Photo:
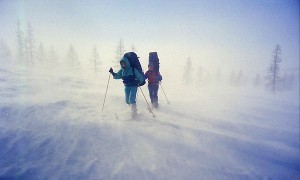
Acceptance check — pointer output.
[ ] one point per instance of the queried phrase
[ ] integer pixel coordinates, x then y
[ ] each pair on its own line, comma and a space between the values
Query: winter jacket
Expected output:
129, 75
153, 77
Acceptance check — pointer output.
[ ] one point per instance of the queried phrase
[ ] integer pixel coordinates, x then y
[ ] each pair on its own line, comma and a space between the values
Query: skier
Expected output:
154, 77
131, 79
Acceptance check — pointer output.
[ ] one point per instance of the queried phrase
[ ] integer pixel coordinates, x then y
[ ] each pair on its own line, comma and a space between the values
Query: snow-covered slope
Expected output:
52, 127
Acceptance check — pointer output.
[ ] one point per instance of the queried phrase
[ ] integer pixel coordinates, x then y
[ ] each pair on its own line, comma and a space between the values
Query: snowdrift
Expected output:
52, 127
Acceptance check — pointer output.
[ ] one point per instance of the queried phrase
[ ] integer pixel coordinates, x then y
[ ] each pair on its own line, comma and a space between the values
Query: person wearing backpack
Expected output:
132, 78
154, 77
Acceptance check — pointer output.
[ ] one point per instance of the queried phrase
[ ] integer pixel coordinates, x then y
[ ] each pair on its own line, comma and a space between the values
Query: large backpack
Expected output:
134, 61
153, 59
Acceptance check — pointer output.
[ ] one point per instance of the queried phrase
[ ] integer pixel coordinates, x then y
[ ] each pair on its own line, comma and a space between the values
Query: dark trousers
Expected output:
153, 88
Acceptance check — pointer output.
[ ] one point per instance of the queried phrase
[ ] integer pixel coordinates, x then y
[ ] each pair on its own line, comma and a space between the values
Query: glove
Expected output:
142, 83
111, 71
159, 78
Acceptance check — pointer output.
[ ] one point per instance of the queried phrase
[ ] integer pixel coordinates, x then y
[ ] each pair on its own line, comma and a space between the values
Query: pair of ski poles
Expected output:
149, 108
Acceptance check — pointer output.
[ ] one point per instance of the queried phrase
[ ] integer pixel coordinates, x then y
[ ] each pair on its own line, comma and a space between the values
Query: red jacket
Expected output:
153, 77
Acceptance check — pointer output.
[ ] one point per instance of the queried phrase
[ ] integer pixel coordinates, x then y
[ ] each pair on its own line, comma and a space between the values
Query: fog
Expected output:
213, 34
226, 118
52, 127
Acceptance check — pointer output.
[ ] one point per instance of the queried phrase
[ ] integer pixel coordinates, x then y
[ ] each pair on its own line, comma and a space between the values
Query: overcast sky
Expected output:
234, 33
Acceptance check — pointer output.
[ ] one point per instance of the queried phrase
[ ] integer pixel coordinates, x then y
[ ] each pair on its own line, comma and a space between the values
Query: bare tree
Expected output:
119, 54
272, 77
95, 59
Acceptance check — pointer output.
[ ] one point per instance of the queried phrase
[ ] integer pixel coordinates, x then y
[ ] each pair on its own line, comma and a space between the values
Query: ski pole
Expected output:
106, 91
149, 108
164, 92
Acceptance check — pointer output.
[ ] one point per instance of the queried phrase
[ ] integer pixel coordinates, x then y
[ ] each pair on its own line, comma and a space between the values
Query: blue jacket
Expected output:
129, 75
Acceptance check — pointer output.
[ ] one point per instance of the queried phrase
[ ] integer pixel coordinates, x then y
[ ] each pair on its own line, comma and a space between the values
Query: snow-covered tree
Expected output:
272, 78
119, 54
257, 81
95, 59
288, 81
5, 53
188, 70
41, 55
72, 58
133, 49
237, 79
20, 43
52, 56
200, 74
29, 45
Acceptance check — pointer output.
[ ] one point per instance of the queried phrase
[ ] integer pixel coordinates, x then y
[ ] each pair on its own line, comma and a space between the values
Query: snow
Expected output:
52, 127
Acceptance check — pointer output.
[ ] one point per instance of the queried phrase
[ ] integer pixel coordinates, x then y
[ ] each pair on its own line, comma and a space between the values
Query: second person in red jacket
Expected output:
154, 78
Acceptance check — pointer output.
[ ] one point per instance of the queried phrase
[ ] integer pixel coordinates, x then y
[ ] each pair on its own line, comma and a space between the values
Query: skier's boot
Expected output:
155, 103
133, 110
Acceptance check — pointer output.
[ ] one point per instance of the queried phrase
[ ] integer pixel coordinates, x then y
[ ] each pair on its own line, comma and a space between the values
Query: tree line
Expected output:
271, 80
29, 52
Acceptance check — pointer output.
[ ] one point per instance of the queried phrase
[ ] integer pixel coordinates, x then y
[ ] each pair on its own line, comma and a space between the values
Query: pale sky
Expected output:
232, 33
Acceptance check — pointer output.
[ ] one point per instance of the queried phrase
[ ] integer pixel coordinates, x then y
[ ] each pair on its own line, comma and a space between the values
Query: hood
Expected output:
126, 62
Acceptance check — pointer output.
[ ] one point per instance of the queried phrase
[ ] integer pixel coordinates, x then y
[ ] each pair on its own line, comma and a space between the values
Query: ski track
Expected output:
52, 127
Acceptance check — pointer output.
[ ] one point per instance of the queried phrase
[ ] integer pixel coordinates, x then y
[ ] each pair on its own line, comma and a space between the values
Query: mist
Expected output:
228, 99
214, 34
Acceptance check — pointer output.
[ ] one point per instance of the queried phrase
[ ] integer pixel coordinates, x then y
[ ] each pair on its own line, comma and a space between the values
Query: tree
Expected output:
187, 74
29, 45
288, 81
5, 53
20, 42
257, 81
72, 58
41, 55
133, 49
52, 55
272, 77
119, 54
200, 74
95, 59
